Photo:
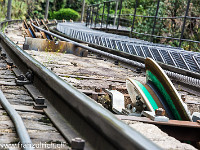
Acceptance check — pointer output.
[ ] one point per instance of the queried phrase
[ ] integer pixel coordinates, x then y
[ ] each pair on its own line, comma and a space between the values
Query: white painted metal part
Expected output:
117, 100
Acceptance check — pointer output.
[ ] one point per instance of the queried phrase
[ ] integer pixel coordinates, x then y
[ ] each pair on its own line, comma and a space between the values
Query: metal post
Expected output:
104, 4
87, 17
92, 14
83, 11
120, 11
155, 18
116, 8
9, 9
184, 22
47, 9
97, 15
108, 15
136, 4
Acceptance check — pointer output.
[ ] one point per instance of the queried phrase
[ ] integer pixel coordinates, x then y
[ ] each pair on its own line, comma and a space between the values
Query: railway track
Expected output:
72, 113
88, 84
27, 123
162, 53
189, 79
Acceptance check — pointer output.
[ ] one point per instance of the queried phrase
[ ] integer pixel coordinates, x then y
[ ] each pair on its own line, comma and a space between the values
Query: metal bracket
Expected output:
117, 100
29, 76
3, 56
77, 144
39, 100
129, 112
195, 116
39, 106
151, 115
23, 80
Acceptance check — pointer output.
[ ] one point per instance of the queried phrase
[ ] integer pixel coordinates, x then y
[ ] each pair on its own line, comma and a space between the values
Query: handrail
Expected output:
156, 17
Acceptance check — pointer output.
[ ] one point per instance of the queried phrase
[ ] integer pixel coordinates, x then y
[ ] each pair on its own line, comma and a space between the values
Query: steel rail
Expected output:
17, 120
18, 123
185, 78
99, 127
119, 58
137, 60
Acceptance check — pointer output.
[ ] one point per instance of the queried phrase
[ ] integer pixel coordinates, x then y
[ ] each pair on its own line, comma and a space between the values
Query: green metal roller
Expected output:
158, 91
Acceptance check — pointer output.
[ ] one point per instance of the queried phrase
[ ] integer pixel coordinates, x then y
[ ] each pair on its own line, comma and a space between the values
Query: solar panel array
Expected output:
162, 53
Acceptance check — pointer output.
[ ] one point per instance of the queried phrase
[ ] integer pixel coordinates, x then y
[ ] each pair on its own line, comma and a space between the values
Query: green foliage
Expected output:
74, 4
3, 27
18, 9
65, 13
164, 27
36, 8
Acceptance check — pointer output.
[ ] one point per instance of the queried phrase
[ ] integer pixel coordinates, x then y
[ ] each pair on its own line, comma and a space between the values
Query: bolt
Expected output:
29, 75
138, 70
25, 46
10, 64
21, 77
77, 144
160, 112
112, 87
183, 97
138, 97
116, 62
98, 90
40, 100
99, 57
3, 55
129, 106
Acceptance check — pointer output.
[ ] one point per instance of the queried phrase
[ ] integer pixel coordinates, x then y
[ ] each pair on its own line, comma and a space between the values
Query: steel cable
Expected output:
19, 125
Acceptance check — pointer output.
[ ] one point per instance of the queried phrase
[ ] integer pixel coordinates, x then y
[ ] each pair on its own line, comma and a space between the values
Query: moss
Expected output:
77, 78
45, 120
5, 114
67, 76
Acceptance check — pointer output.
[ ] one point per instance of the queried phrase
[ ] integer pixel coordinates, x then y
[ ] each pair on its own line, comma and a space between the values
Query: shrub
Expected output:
65, 13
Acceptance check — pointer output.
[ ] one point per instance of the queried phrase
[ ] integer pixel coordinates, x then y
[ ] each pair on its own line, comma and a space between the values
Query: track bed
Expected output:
89, 74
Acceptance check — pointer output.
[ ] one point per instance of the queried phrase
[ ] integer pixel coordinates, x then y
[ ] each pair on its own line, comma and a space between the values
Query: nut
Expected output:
77, 144
138, 70
112, 87
183, 97
160, 112
98, 90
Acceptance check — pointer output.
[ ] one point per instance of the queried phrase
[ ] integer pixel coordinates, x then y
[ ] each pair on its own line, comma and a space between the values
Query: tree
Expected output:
9, 9
83, 10
46, 9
